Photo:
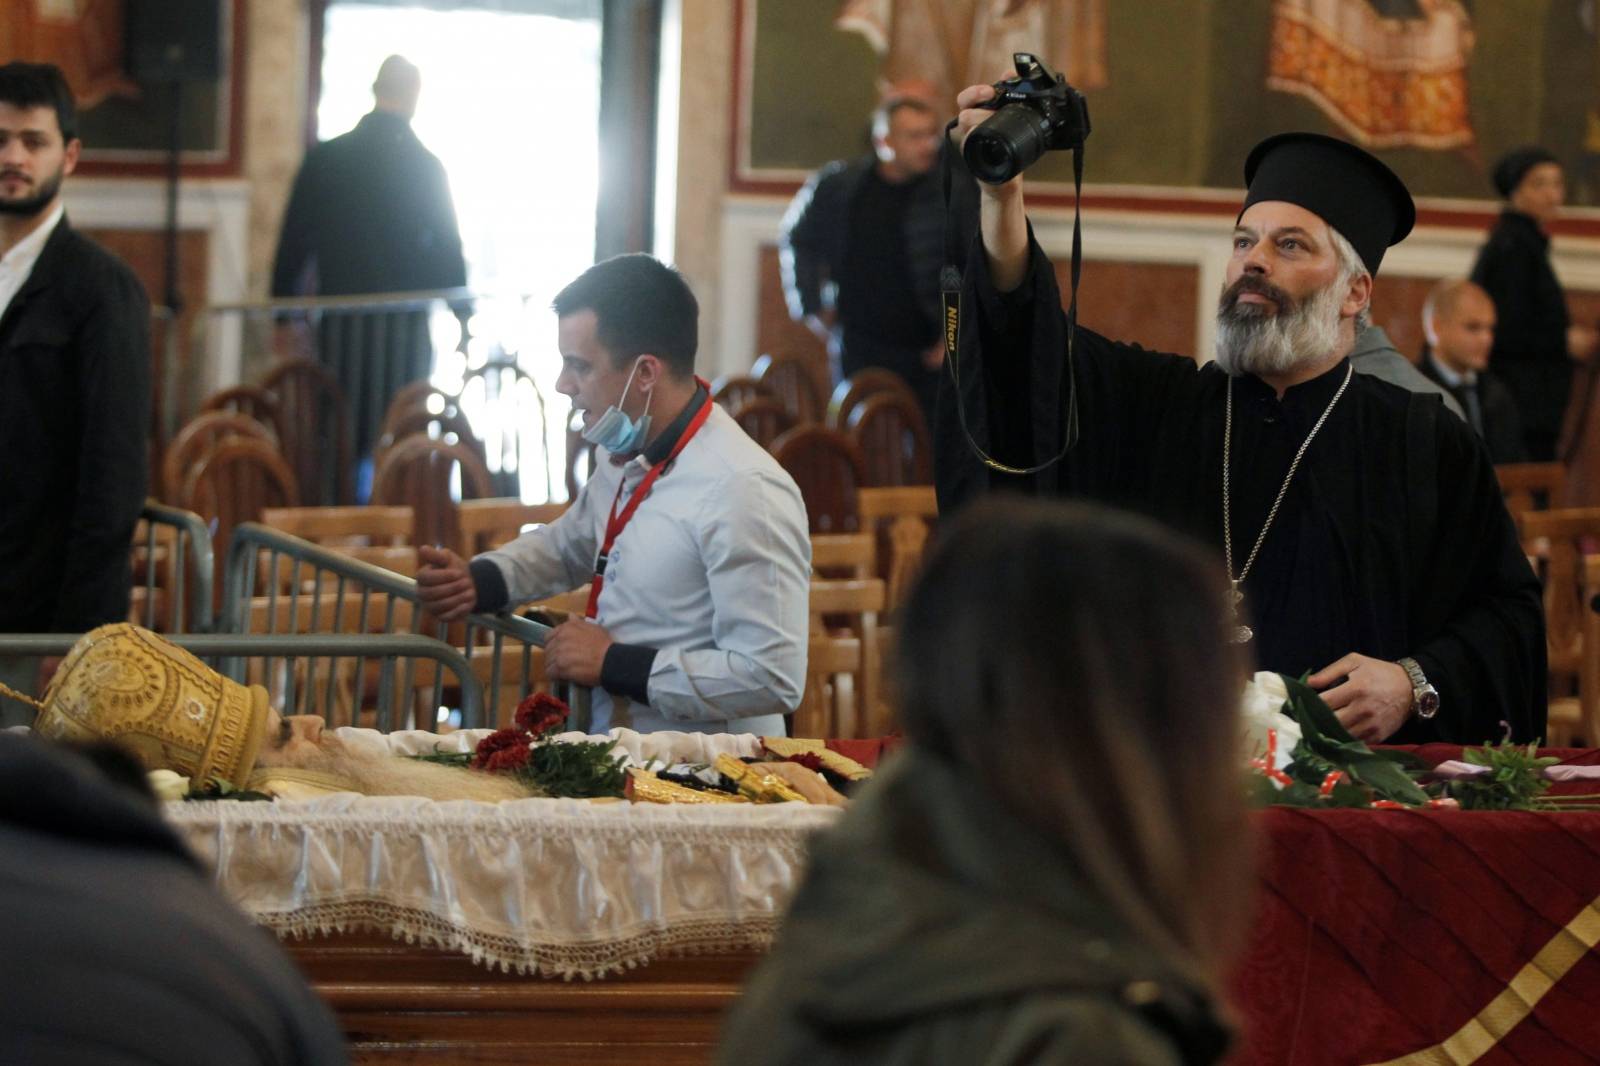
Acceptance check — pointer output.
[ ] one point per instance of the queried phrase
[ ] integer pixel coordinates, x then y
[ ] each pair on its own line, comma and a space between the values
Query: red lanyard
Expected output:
615, 523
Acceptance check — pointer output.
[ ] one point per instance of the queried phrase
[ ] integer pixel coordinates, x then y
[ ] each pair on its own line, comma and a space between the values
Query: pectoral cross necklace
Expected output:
1241, 633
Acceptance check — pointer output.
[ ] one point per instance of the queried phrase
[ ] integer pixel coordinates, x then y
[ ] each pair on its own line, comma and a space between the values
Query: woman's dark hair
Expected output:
1073, 660
641, 306
40, 85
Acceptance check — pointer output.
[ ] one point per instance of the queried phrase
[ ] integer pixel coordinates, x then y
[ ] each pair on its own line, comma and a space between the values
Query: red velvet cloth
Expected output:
1381, 933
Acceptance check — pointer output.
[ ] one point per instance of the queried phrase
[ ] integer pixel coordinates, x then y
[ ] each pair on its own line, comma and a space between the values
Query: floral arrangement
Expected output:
1299, 755
579, 769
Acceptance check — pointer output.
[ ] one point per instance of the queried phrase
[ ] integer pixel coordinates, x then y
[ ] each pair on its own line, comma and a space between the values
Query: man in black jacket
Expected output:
370, 212
74, 388
1458, 320
861, 252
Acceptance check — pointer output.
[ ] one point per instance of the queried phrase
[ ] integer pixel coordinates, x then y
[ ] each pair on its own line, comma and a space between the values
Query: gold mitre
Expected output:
125, 684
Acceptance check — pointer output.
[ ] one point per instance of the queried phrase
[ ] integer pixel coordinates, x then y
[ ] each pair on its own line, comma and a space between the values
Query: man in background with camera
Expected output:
860, 252
1363, 530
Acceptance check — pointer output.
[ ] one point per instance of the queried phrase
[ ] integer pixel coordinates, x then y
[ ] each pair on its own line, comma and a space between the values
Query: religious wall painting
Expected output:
1180, 89
126, 126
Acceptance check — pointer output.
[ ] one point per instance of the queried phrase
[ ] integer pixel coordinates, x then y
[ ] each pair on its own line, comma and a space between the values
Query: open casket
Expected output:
538, 930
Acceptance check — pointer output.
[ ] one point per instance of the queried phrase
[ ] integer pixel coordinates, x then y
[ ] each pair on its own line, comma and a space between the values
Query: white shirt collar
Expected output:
1452, 378
25, 252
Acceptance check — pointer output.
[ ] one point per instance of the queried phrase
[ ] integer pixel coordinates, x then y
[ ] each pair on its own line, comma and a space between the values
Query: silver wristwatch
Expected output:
1424, 697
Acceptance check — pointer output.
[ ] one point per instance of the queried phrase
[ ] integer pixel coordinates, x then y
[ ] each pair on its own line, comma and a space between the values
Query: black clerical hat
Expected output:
1347, 188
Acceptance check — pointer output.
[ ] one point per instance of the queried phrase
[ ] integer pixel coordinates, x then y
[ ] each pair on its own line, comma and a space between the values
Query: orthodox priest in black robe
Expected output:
1388, 569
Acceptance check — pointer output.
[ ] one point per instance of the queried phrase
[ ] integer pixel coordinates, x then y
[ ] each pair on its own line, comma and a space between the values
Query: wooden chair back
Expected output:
1532, 486
580, 462
413, 398
843, 696
197, 437
450, 426
764, 420
857, 387
1567, 536
1574, 721
903, 519
733, 391
316, 430
252, 400
892, 433
826, 465
791, 379
234, 482
844, 555
487, 524
509, 416
430, 476
344, 526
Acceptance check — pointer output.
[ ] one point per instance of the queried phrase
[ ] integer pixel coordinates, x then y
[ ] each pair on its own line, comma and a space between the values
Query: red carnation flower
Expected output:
508, 759
540, 713
809, 759
500, 740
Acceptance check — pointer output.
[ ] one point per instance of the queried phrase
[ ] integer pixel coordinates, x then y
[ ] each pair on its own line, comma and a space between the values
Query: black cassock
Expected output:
1368, 553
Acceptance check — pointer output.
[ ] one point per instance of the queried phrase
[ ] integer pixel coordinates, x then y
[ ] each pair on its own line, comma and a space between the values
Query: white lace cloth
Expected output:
552, 886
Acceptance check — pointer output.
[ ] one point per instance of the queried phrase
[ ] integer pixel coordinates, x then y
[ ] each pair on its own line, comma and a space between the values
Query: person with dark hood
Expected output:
115, 948
1056, 867
1363, 532
1535, 341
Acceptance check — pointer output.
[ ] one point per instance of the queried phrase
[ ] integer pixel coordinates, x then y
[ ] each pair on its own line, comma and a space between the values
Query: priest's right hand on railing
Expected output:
444, 584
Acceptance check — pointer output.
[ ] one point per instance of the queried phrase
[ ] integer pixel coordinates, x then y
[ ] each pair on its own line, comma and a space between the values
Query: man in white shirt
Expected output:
75, 394
695, 538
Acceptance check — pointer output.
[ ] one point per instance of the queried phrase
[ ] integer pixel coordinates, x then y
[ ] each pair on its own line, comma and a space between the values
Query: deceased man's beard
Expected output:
390, 775
1252, 339
32, 205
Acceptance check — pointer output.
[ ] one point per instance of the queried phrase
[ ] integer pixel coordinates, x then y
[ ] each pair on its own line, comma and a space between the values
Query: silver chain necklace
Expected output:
1242, 633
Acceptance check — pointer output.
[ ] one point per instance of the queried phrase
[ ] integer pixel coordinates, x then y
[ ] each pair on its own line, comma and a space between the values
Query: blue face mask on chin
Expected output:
615, 431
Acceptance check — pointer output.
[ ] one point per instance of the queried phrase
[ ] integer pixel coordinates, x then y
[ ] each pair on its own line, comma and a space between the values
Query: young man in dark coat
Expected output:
1362, 526
1458, 320
75, 388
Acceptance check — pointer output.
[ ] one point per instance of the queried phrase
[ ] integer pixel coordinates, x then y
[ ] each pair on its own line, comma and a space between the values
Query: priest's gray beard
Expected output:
1252, 339
390, 775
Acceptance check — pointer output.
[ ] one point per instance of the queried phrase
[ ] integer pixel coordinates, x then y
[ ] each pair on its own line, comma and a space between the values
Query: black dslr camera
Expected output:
1035, 112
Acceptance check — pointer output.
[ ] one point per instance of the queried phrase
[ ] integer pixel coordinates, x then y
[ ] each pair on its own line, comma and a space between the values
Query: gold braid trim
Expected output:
7, 690
1503, 1013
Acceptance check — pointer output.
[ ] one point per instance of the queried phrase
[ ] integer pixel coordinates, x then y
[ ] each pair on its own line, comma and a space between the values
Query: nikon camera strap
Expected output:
950, 284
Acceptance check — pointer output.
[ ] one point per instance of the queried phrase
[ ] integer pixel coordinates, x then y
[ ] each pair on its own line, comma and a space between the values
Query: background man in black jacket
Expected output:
1458, 320
370, 212
74, 388
861, 251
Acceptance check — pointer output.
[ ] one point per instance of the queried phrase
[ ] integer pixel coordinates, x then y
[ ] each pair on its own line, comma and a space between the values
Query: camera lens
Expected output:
1007, 144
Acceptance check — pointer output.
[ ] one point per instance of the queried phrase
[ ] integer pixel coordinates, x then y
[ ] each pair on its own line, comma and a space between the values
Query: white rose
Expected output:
1262, 709
168, 785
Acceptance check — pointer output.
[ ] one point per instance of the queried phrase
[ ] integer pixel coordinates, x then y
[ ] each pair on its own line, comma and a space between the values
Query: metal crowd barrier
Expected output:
276, 583
237, 651
181, 541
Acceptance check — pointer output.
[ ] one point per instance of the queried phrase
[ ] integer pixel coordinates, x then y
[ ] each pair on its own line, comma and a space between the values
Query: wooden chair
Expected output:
234, 482
843, 696
1568, 535
826, 465
450, 426
487, 524
857, 387
430, 476
316, 430
1575, 720
1532, 486
416, 397
252, 400
344, 526
902, 519
844, 555
892, 433
733, 391
197, 437
507, 411
764, 419
791, 379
